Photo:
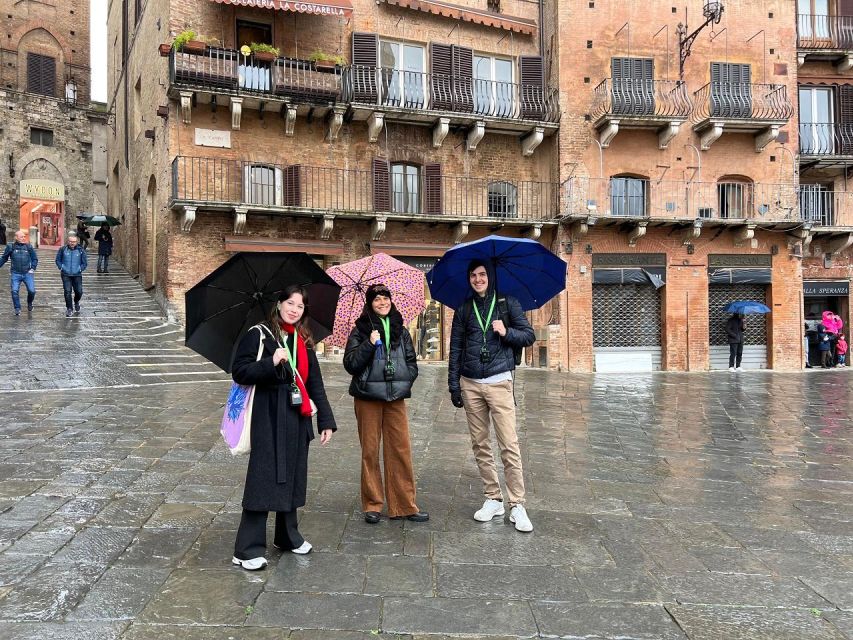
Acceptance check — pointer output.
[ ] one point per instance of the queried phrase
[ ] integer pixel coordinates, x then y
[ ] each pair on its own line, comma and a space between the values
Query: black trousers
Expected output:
826, 358
69, 283
252, 534
735, 354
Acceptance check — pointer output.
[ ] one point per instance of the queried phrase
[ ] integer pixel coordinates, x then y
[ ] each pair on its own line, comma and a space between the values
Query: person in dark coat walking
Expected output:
824, 345
3, 240
71, 262
105, 248
287, 382
734, 332
383, 366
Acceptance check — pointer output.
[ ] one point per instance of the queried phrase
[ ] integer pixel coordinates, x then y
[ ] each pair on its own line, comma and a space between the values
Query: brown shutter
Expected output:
293, 186
532, 72
381, 185
433, 189
365, 60
441, 73
844, 123
463, 79
41, 74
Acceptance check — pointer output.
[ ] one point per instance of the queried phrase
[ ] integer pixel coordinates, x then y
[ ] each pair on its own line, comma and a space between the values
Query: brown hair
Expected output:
301, 326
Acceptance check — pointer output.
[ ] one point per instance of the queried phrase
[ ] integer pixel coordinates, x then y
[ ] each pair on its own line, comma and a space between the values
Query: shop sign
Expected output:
629, 260
822, 288
740, 260
213, 138
42, 190
421, 263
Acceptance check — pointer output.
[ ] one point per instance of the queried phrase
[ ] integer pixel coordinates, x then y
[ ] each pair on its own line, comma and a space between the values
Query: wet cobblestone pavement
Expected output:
702, 506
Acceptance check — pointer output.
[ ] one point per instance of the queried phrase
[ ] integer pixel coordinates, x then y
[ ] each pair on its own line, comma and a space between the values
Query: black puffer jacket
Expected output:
368, 373
466, 341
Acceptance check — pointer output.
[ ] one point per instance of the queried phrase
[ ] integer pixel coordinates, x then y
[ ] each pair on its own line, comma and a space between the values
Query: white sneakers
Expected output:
731, 368
304, 548
518, 514
489, 510
255, 564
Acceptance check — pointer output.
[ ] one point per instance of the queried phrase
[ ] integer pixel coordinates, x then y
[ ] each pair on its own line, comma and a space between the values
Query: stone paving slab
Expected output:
713, 623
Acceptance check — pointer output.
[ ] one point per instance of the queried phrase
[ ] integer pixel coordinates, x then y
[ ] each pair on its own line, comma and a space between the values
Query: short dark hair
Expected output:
476, 263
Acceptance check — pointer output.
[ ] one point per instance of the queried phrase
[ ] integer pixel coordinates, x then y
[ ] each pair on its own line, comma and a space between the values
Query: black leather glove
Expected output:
456, 399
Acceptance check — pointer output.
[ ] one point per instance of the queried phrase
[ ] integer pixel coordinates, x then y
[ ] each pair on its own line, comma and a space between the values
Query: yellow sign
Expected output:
42, 190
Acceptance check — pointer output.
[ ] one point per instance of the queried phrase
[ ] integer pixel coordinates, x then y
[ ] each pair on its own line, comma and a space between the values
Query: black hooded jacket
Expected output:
368, 373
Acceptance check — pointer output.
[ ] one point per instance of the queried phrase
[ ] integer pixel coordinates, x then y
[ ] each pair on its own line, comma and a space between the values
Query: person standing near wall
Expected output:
105, 247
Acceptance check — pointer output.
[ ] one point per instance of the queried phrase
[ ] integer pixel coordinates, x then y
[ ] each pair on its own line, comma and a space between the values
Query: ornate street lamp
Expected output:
713, 13
71, 91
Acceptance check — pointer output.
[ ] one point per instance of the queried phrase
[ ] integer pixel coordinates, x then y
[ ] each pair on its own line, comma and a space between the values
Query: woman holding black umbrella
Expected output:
288, 390
105, 247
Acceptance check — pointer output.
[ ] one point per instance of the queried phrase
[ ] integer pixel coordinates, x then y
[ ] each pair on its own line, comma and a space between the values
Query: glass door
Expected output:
816, 121
493, 87
403, 76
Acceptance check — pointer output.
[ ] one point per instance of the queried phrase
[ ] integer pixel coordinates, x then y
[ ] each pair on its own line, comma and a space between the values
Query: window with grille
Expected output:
628, 196
734, 198
43, 137
503, 200
263, 185
816, 204
405, 188
720, 295
626, 315
41, 74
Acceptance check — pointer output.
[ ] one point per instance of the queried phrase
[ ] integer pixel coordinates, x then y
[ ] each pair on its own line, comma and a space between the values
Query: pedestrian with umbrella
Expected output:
736, 325
490, 282
274, 307
105, 247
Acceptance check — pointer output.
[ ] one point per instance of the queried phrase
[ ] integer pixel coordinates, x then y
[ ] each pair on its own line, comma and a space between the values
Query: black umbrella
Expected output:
241, 293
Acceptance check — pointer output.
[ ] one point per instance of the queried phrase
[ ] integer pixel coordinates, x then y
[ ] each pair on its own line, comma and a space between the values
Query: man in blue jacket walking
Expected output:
71, 262
24, 263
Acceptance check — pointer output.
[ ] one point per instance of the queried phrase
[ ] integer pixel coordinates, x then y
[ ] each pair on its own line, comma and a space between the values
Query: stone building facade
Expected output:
669, 176
50, 131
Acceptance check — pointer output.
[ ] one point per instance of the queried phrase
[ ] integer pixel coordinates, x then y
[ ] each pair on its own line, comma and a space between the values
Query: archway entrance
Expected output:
42, 205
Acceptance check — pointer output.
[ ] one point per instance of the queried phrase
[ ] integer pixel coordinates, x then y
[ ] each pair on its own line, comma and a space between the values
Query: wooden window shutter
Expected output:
731, 91
441, 74
293, 186
844, 121
41, 74
381, 185
365, 60
532, 76
463, 79
433, 189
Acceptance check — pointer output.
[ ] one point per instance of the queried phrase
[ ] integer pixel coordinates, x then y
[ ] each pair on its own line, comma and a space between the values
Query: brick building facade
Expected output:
52, 136
670, 184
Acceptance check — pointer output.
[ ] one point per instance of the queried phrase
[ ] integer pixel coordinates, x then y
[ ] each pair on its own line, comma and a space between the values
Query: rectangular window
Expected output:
633, 86
816, 121
405, 188
403, 74
44, 137
731, 90
494, 92
41, 74
628, 197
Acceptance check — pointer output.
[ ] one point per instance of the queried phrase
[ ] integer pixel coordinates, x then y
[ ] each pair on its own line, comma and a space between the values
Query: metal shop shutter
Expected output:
626, 319
755, 337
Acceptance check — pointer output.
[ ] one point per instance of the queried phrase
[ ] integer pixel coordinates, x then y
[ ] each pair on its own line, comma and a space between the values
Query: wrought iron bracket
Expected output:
713, 13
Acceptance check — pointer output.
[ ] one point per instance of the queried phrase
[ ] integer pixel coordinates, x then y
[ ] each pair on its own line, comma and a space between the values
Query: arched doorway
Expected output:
151, 223
137, 215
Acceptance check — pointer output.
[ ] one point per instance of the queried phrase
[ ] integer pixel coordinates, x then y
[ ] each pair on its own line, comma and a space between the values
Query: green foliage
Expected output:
182, 38
257, 47
318, 55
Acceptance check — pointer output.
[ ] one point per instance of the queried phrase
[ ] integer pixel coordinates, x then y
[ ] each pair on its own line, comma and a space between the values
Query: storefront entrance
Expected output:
427, 328
42, 207
820, 296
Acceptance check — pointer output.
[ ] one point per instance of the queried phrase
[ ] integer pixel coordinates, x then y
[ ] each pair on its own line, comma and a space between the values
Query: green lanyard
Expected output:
292, 354
386, 328
484, 325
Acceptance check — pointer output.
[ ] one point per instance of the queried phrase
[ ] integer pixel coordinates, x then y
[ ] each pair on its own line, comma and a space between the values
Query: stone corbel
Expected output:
186, 106
845, 64
607, 133
336, 120
460, 230
801, 59
746, 235
236, 112
637, 232
534, 232
581, 227
531, 141
289, 119
475, 134
374, 125
667, 133
187, 218
710, 135
693, 232
439, 132
377, 228
327, 226
240, 220
838, 244
765, 137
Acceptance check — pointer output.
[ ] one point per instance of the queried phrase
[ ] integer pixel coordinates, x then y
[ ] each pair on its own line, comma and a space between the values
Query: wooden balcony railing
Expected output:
459, 94
230, 71
650, 99
220, 182
824, 32
742, 101
826, 139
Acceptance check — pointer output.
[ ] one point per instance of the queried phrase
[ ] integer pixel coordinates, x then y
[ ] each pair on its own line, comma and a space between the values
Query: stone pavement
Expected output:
703, 506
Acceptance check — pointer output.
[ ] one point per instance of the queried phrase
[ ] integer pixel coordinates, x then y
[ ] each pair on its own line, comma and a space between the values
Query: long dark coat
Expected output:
277, 476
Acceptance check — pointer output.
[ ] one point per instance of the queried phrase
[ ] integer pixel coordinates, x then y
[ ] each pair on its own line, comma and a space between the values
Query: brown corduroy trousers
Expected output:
386, 423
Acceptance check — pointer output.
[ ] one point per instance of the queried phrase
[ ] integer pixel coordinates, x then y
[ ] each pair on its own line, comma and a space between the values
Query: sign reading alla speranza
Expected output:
820, 288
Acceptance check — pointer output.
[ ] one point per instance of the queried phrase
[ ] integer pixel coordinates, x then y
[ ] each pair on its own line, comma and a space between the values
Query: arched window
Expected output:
262, 184
405, 188
503, 200
628, 195
734, 196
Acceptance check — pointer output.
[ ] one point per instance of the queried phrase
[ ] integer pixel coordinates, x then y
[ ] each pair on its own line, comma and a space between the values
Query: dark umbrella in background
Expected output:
98, 220
241, 293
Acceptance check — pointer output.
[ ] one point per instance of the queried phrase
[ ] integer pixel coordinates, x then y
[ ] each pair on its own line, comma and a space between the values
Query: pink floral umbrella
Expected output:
405, 283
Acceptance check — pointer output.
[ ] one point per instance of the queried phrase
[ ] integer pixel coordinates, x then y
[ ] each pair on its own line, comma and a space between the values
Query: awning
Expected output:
339, 8
655, 276
469, 14
739, 275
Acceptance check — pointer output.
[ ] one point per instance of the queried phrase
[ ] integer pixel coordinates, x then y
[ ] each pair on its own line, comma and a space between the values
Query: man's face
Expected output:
479, 280
20, 236
72, 241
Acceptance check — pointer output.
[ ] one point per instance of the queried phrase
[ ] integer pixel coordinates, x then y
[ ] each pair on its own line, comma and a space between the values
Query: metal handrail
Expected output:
826, 138
824, 32
742, 101
628, 97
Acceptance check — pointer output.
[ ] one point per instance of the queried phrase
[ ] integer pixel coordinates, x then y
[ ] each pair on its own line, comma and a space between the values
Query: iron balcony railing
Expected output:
271, 186
742, 101
826, 138
629, 197
460, 94
230, 71
824, 32
652, 99
826, 208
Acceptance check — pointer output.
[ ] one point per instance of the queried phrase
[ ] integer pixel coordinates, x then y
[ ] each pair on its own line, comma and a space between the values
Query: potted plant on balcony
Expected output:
264, 52
189, 42
326, 61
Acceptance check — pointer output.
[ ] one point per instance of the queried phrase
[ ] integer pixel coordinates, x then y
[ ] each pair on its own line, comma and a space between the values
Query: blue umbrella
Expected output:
522, 268
746, 306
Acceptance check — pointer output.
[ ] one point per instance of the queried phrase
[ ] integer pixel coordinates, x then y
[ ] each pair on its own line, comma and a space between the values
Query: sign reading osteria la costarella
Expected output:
42, 190
287, 5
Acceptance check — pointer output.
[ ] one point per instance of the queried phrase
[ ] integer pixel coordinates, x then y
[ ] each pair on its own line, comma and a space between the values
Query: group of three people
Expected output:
279, 360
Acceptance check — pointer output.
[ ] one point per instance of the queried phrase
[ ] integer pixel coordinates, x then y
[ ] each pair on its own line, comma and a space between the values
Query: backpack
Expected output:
503, 312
